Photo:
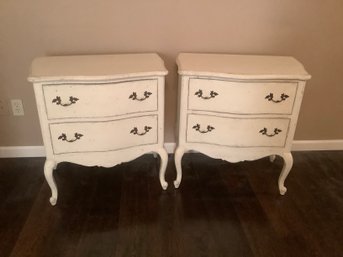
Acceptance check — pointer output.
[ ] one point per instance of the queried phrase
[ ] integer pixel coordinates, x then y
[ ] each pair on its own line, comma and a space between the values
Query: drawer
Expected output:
78, 137
237, 132
240, 97
100, 100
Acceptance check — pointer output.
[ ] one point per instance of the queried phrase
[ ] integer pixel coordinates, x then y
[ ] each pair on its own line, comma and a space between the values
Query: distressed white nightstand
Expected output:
237, 108
100, 110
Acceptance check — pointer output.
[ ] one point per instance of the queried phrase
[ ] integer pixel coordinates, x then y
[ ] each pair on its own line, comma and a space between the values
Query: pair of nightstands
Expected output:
107, 109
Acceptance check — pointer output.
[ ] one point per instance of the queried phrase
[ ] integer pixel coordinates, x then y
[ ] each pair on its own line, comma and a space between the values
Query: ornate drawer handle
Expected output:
63, 137
199, 93
146, 94
136, 132
58, 101
197, 128
270, 97
265, 132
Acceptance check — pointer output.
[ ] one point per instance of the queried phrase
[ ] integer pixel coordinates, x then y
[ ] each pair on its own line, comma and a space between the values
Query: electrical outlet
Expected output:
3, 107
17, 107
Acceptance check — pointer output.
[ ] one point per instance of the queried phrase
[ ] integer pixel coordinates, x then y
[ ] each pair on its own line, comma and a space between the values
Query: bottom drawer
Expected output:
237, 132
74, 137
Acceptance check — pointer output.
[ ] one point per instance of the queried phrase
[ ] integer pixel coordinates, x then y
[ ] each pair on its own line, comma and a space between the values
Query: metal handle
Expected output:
199, 93
264, 131
146, 95
136, 132
58, 101
270, 97
63, 137
208, 129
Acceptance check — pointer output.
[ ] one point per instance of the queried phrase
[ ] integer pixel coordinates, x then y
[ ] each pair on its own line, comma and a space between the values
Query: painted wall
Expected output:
311, 31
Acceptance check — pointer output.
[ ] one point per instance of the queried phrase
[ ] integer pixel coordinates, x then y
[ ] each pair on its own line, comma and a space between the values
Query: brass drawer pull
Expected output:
146, 95
136, 132
197, 128
58, 101
199, 93
270, 97
265, 132
63, 137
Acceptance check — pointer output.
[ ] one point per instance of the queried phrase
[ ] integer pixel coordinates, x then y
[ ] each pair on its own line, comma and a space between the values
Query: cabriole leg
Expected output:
178, 158
288, 163
163, 166
48, 172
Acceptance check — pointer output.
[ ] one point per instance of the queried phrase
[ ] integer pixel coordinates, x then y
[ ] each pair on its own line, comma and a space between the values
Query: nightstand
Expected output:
238, 107
100, 110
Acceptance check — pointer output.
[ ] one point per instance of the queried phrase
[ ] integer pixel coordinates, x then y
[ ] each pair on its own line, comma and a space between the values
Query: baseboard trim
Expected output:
39, 151
298, 145
22, 151
317, 145
170, 147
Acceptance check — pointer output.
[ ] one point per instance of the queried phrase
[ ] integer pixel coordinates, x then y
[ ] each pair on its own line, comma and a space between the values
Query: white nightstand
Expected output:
237, 108
100, 110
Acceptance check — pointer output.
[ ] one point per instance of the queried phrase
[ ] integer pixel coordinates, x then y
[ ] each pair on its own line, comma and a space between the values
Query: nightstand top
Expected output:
241, 66
96, 67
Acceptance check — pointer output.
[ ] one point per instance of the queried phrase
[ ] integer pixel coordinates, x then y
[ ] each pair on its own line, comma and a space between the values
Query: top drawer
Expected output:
100, 100
241, 97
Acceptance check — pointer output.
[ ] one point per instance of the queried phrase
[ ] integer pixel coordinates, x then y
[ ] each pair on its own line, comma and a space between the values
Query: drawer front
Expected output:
241, 97
76, 137
100, 100
237, 132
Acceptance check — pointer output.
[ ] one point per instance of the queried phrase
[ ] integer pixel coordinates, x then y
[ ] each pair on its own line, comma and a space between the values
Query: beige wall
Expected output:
310, 30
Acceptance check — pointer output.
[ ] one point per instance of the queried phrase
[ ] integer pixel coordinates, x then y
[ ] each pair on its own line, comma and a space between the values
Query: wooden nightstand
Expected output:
237, 108
100, 110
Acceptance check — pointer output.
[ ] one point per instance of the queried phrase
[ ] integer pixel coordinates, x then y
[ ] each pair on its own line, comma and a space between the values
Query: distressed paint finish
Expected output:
238, 108
100, 110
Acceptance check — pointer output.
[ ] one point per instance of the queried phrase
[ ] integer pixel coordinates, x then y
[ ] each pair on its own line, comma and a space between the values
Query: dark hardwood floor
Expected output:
221, 209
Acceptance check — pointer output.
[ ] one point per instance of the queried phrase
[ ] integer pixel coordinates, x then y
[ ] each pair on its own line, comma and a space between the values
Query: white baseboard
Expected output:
317, 145
298, 145
170, 147
21, 151
39, 151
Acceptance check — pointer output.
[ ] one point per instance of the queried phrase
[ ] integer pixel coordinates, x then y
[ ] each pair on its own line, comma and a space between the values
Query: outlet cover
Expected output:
17, 107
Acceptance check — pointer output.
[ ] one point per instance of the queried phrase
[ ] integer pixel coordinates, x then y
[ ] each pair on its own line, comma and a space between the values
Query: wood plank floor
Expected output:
221, 209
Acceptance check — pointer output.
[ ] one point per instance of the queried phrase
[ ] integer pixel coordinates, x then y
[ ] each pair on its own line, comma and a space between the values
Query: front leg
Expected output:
48, 172
163, 166
178, 158
288, 163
